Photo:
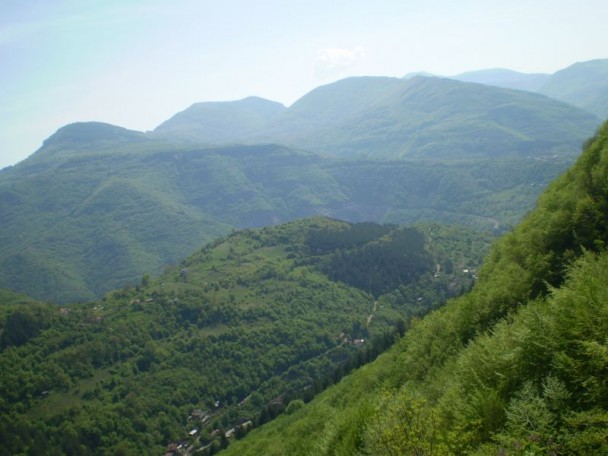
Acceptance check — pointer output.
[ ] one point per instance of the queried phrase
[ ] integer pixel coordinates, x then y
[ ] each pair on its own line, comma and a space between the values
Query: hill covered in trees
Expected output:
230, 335
516, 366
99, 206
421, 117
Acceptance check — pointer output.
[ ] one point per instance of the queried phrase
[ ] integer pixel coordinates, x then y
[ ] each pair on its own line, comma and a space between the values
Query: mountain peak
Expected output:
252, 102
87, 133
213, 122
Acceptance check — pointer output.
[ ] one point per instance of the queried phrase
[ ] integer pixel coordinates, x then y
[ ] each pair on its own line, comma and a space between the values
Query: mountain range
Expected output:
376, 117
583, 84
198, 334
98, 206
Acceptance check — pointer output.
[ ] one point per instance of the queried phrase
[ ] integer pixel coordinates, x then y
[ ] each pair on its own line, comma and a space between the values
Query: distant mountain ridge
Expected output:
97, 206
89, 136
422, 117
583, 84
502, 77
217, 122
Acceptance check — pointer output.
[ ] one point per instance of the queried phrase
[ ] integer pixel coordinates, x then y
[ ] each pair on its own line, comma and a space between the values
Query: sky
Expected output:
136, 63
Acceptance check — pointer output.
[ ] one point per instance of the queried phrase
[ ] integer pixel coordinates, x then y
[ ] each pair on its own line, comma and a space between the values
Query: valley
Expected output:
387, 266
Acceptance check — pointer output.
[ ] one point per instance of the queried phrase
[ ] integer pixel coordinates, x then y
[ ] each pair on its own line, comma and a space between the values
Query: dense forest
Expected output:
77, 224
517, 366
231, 335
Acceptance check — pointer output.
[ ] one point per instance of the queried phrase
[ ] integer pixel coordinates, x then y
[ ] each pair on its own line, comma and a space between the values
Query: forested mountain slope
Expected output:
99, 206
221, 122
435, 118
516, 366
422, 117
584, 84
233, 333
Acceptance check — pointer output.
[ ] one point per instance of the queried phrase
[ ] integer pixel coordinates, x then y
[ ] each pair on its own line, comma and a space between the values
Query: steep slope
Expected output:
220, 122
584, 84
517, 366
231, 333
508, 79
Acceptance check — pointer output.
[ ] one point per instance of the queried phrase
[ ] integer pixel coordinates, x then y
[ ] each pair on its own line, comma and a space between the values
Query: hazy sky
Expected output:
135, 63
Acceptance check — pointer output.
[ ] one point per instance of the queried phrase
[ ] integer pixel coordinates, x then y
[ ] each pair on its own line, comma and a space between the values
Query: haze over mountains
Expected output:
394, 118
241, 327
583, 84
98, 206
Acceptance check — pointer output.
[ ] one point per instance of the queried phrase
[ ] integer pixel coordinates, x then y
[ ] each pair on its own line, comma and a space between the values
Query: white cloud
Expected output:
332, 62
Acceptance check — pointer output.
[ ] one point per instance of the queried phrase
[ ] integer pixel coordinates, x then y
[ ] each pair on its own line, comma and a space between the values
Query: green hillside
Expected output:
516, 366
220, 122
233, 333
422, 117
98, 206
434, 118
